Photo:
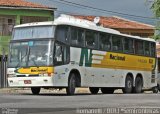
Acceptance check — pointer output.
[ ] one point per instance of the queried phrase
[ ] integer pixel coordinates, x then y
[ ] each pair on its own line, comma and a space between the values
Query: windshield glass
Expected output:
32, 53
33, 32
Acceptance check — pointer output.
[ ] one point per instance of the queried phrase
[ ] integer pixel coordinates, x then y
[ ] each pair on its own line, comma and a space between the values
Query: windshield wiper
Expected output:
21, 60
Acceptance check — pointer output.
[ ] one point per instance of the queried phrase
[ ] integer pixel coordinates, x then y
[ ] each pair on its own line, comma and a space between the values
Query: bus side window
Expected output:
66, 54
128, 45
61, 54
152, 48
74, 40
58, 60
147, 48
104, 42
80, 37
117, 43
91, 39
77, 37
62, 33
139, 50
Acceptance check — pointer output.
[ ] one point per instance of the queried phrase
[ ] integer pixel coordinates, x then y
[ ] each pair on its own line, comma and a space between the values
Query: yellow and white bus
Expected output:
69, 53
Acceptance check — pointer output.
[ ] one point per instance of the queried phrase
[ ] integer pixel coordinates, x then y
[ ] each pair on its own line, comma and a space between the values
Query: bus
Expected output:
69, 53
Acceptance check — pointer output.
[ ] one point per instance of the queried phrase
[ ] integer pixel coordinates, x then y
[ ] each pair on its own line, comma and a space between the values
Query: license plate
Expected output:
27, 82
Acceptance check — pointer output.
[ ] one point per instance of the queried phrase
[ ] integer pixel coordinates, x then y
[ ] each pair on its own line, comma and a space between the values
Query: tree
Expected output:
156, 9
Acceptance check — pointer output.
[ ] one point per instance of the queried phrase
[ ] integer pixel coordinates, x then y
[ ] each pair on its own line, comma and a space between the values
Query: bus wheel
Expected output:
155, 90
158, 87
71, 85
107, 90
128, 85
35, 90
94, 90
138, 85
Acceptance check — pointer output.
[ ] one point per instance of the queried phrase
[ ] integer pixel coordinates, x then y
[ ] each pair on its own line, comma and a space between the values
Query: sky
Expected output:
131, 7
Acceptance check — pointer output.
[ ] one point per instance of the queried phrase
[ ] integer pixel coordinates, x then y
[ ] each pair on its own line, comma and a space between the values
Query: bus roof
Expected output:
70, 20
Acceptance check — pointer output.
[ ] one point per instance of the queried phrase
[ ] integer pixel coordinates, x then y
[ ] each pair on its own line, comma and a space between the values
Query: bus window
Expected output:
66, 56
58, 55
117, 43
139, 47
128, 45
91, 39
62, 33
74, 40
152, 49
104, 41
77, 37
80, 37
146, 48
61, 54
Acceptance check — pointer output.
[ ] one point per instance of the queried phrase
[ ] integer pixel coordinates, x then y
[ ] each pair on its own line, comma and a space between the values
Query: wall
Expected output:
11, 17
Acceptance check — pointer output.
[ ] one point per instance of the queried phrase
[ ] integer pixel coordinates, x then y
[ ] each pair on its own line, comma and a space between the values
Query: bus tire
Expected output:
155, 89
71, 84
158, 87
93, 90
138, 85
107, 90
128, 85
35, 90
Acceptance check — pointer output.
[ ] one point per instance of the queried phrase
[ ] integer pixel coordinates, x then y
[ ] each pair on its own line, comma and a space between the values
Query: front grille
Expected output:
21, 75
32, 75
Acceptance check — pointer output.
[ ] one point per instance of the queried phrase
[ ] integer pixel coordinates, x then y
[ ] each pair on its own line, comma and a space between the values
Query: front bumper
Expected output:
35, 81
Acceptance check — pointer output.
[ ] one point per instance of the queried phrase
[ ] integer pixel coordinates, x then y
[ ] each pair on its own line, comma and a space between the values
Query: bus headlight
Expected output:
46, 74
11, 75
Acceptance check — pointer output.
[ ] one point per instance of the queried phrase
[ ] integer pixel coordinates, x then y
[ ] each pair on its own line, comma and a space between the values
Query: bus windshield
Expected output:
31, 53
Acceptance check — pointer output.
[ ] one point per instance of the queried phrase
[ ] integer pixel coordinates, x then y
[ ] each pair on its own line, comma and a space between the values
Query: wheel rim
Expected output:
73, 85
129, 84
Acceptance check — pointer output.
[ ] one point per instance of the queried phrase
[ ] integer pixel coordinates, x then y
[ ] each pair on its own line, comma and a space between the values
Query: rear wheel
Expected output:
138, 85
35, 90
107, 90
155, 90
158, 87
128, 85
71, 85
94, 90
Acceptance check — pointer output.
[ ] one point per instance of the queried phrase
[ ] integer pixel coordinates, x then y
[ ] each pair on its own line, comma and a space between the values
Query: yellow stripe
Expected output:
120, 67
125, 61
36, 70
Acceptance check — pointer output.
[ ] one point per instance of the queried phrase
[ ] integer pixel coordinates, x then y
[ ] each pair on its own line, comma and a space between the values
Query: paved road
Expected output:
48, 103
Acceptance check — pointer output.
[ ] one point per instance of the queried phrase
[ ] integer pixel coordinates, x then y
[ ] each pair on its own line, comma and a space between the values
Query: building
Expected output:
14, 12
123, 25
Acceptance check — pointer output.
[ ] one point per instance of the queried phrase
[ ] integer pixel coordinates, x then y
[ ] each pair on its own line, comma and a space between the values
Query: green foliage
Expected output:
156, 9
156, 37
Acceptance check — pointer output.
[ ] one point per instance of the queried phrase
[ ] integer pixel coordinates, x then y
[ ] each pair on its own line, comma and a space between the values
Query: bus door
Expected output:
61, 59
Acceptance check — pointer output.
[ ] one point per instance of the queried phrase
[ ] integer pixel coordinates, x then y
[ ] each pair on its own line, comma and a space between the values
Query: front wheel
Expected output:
94, 90
35, 90
71, 85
